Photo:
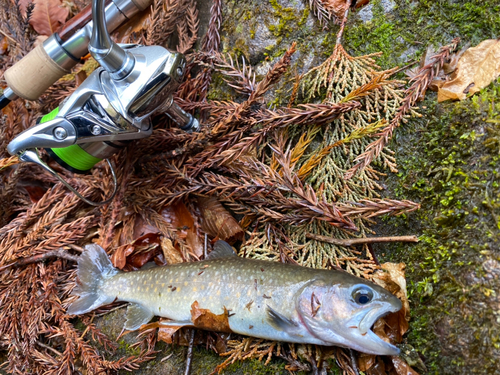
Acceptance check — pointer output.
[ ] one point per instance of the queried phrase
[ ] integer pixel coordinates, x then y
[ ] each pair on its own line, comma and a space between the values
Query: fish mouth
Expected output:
367, 341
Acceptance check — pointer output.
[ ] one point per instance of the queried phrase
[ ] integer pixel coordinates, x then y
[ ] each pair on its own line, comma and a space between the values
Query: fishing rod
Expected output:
111, 108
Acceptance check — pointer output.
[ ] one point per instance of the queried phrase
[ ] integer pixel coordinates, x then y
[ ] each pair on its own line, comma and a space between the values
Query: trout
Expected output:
269, 300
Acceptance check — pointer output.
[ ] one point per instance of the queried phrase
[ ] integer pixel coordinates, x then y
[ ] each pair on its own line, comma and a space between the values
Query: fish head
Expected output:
343, 313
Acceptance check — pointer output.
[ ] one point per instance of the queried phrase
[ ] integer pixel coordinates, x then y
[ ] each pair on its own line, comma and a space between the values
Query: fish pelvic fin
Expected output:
221, 250
94, 267
137, 315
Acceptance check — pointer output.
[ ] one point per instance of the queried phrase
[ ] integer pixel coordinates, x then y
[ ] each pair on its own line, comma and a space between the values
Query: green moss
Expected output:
446, 164
413, 25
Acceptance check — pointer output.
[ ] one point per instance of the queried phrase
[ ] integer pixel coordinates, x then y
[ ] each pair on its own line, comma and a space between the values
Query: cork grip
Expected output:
33, 74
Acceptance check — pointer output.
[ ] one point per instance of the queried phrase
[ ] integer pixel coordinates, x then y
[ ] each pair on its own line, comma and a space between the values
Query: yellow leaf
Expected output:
476, 69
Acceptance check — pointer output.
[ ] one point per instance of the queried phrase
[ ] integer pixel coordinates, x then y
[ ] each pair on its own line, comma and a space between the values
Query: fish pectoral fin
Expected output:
137, 315
280, 322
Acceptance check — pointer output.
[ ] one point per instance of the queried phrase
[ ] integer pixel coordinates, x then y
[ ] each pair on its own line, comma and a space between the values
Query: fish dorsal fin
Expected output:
279, 321
221, 250
137, 315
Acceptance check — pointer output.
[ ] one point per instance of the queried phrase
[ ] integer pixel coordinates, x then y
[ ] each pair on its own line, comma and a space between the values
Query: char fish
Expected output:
269, 300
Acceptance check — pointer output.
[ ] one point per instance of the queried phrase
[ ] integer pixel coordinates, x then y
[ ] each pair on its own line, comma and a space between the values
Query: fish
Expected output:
268, 300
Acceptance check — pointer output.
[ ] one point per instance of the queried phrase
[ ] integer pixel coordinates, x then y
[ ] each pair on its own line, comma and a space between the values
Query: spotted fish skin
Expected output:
268, 300
247, 288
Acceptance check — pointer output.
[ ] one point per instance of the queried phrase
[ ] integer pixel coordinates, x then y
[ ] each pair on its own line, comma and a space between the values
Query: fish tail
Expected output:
94, 267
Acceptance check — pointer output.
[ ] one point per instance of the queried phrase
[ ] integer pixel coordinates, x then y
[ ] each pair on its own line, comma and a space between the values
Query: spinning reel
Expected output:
112, 107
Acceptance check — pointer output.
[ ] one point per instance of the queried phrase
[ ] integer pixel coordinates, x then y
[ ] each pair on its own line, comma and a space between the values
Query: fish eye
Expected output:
362, 295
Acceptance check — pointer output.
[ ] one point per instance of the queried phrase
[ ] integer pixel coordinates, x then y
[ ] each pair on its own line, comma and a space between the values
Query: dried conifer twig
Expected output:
359, 241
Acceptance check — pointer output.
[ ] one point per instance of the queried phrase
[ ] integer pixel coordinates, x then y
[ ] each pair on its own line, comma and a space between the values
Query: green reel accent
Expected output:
49, 116
73, 157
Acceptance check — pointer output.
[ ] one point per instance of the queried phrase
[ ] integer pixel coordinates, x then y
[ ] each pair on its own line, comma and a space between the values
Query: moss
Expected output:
417, 24
446, 164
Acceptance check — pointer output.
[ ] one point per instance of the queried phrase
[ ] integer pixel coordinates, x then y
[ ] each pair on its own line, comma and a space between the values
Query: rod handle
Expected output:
33, 74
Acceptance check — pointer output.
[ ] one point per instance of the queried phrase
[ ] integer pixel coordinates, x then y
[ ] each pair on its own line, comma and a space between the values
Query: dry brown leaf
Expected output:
205, 319
366, 361
48, 16
401, 367
138, 23
378, 368
180, 218
119, 257
166, 333
4, 45
171, 254
217, 222
476, 69
393, 279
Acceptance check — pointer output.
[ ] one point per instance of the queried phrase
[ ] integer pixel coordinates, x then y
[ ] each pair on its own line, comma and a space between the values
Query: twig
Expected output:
358, 241
49, 348
8, 37
60, 253
189, 357
372, 253
344, 21
111, 310
205, 247
354, 364
404, 67
76, 248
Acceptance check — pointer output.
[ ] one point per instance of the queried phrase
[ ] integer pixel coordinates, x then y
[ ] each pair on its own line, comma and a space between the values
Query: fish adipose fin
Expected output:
137, 315
280, 322
94, 267
221, 250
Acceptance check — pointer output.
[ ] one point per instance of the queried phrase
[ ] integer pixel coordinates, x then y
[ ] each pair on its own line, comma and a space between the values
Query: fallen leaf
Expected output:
205, 319
138, 23
166, 333
366, 361
179, 217
392, 278
80, 77
401, 367
48, 16
378, 367
119, 257
134, 255
217, 222
4, 45
361, 3
170, 252
476, 69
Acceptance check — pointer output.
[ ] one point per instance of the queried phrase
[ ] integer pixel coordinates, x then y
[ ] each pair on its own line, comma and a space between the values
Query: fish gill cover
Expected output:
291, 161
